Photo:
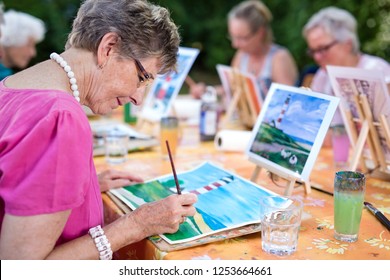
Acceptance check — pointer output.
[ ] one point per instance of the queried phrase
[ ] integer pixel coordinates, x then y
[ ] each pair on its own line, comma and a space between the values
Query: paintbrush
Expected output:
378, 214
173, 168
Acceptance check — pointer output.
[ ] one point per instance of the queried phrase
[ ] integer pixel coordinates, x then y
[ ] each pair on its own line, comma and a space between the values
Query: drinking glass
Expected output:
116, 144
340, 144
349, 189
169, 130
280, 222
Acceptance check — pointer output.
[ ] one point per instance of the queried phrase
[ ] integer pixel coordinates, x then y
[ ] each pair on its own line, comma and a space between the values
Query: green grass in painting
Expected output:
275, 137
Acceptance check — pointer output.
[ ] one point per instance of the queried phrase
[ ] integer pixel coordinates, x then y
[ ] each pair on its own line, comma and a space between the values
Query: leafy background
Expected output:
203, 25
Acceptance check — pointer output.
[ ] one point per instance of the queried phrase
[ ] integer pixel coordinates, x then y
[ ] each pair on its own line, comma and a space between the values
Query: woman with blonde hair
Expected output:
250, 32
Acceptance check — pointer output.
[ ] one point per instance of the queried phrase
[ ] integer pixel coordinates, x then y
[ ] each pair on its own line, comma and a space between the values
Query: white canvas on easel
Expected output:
365, 109
242, 95
165, 88
289, 133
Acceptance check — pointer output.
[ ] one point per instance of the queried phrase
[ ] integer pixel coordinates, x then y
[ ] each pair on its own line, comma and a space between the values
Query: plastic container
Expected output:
209, 115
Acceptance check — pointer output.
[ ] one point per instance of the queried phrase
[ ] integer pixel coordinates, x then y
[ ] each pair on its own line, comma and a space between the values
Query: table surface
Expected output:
316, 239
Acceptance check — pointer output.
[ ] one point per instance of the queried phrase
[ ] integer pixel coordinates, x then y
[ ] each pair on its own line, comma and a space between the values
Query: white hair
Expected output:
19, 27
339, 23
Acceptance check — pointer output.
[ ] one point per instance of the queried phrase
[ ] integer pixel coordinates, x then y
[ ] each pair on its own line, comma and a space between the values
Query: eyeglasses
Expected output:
146, 78
241, 38
321, 50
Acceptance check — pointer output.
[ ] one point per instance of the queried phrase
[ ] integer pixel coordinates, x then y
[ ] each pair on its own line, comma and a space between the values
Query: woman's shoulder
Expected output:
42, 106
237, 58
280, 51
373, 62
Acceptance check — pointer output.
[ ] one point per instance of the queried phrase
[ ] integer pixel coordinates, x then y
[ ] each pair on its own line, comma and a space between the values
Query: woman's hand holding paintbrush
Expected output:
194, 197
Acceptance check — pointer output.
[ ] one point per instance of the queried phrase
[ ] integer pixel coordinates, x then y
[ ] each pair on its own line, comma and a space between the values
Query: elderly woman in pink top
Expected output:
50, 201
332, 40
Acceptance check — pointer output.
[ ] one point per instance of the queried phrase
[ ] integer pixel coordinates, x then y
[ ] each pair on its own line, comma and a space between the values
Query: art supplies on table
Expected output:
365, 111
226, 202
137, 140
242, 97
289, 133
232, 140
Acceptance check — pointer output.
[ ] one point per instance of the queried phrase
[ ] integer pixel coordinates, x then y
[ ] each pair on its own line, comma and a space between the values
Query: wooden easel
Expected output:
369, 135
241, 101
290, 180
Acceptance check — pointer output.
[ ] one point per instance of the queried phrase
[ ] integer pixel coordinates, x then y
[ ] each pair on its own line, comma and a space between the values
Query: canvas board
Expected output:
348, 82
165, 88
225, 200
234, 80
290, 130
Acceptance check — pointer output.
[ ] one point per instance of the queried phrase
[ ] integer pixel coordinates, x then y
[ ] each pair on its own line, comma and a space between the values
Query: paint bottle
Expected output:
209, 115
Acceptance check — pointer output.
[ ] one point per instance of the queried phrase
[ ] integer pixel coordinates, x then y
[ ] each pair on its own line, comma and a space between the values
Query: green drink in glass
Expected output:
349, 189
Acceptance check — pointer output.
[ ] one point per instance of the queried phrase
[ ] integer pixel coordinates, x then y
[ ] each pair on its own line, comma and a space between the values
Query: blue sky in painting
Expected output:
303, 117
231, 205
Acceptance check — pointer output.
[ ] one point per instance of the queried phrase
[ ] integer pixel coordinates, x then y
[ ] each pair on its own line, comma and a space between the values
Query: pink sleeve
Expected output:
47, 168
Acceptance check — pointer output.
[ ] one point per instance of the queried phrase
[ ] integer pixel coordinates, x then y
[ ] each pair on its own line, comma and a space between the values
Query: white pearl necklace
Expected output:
72, 80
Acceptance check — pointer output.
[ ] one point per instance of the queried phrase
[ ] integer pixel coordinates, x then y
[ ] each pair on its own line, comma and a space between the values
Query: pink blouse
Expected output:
46, 160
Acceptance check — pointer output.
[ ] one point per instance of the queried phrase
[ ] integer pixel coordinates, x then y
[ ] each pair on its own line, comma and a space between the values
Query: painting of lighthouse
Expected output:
225, 200
290, 130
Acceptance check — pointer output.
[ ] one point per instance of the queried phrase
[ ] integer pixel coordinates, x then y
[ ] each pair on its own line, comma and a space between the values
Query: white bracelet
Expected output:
101, 242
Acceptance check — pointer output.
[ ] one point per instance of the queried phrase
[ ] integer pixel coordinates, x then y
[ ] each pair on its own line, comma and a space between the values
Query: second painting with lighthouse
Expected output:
290, 130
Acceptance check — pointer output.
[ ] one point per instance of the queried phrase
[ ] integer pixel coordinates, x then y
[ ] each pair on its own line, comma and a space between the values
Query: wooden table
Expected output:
316, 239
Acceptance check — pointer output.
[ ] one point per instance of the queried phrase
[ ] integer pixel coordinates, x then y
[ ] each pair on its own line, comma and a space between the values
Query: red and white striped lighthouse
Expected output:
221, 182
283, 111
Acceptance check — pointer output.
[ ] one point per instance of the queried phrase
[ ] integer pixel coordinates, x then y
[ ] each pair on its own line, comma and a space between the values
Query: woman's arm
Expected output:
34, 237
284, 69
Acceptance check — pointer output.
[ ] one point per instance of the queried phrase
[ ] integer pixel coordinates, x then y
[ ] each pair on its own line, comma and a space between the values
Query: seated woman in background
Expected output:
251, 34
20, 34
331, 36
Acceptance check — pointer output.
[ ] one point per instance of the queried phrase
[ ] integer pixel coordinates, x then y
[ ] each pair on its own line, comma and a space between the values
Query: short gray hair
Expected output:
145, 30
256, 14
19, 27
338, 23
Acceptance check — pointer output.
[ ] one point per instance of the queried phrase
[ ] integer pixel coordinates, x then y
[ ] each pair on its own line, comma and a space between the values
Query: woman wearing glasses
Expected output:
332, 40
50, 202
251, 35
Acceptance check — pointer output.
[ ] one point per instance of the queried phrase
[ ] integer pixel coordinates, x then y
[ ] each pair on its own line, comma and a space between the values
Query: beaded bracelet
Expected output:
101, 242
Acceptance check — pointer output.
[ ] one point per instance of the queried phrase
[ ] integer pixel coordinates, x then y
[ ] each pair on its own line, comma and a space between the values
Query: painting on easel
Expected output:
350, 84
165, 88
242, 94
290, 129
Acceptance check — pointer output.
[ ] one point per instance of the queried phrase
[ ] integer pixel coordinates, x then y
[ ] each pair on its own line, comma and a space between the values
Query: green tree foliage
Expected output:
203, 25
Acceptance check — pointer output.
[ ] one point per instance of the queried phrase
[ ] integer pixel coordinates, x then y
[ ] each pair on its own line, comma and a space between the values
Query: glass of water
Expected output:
116, 143
280, 222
